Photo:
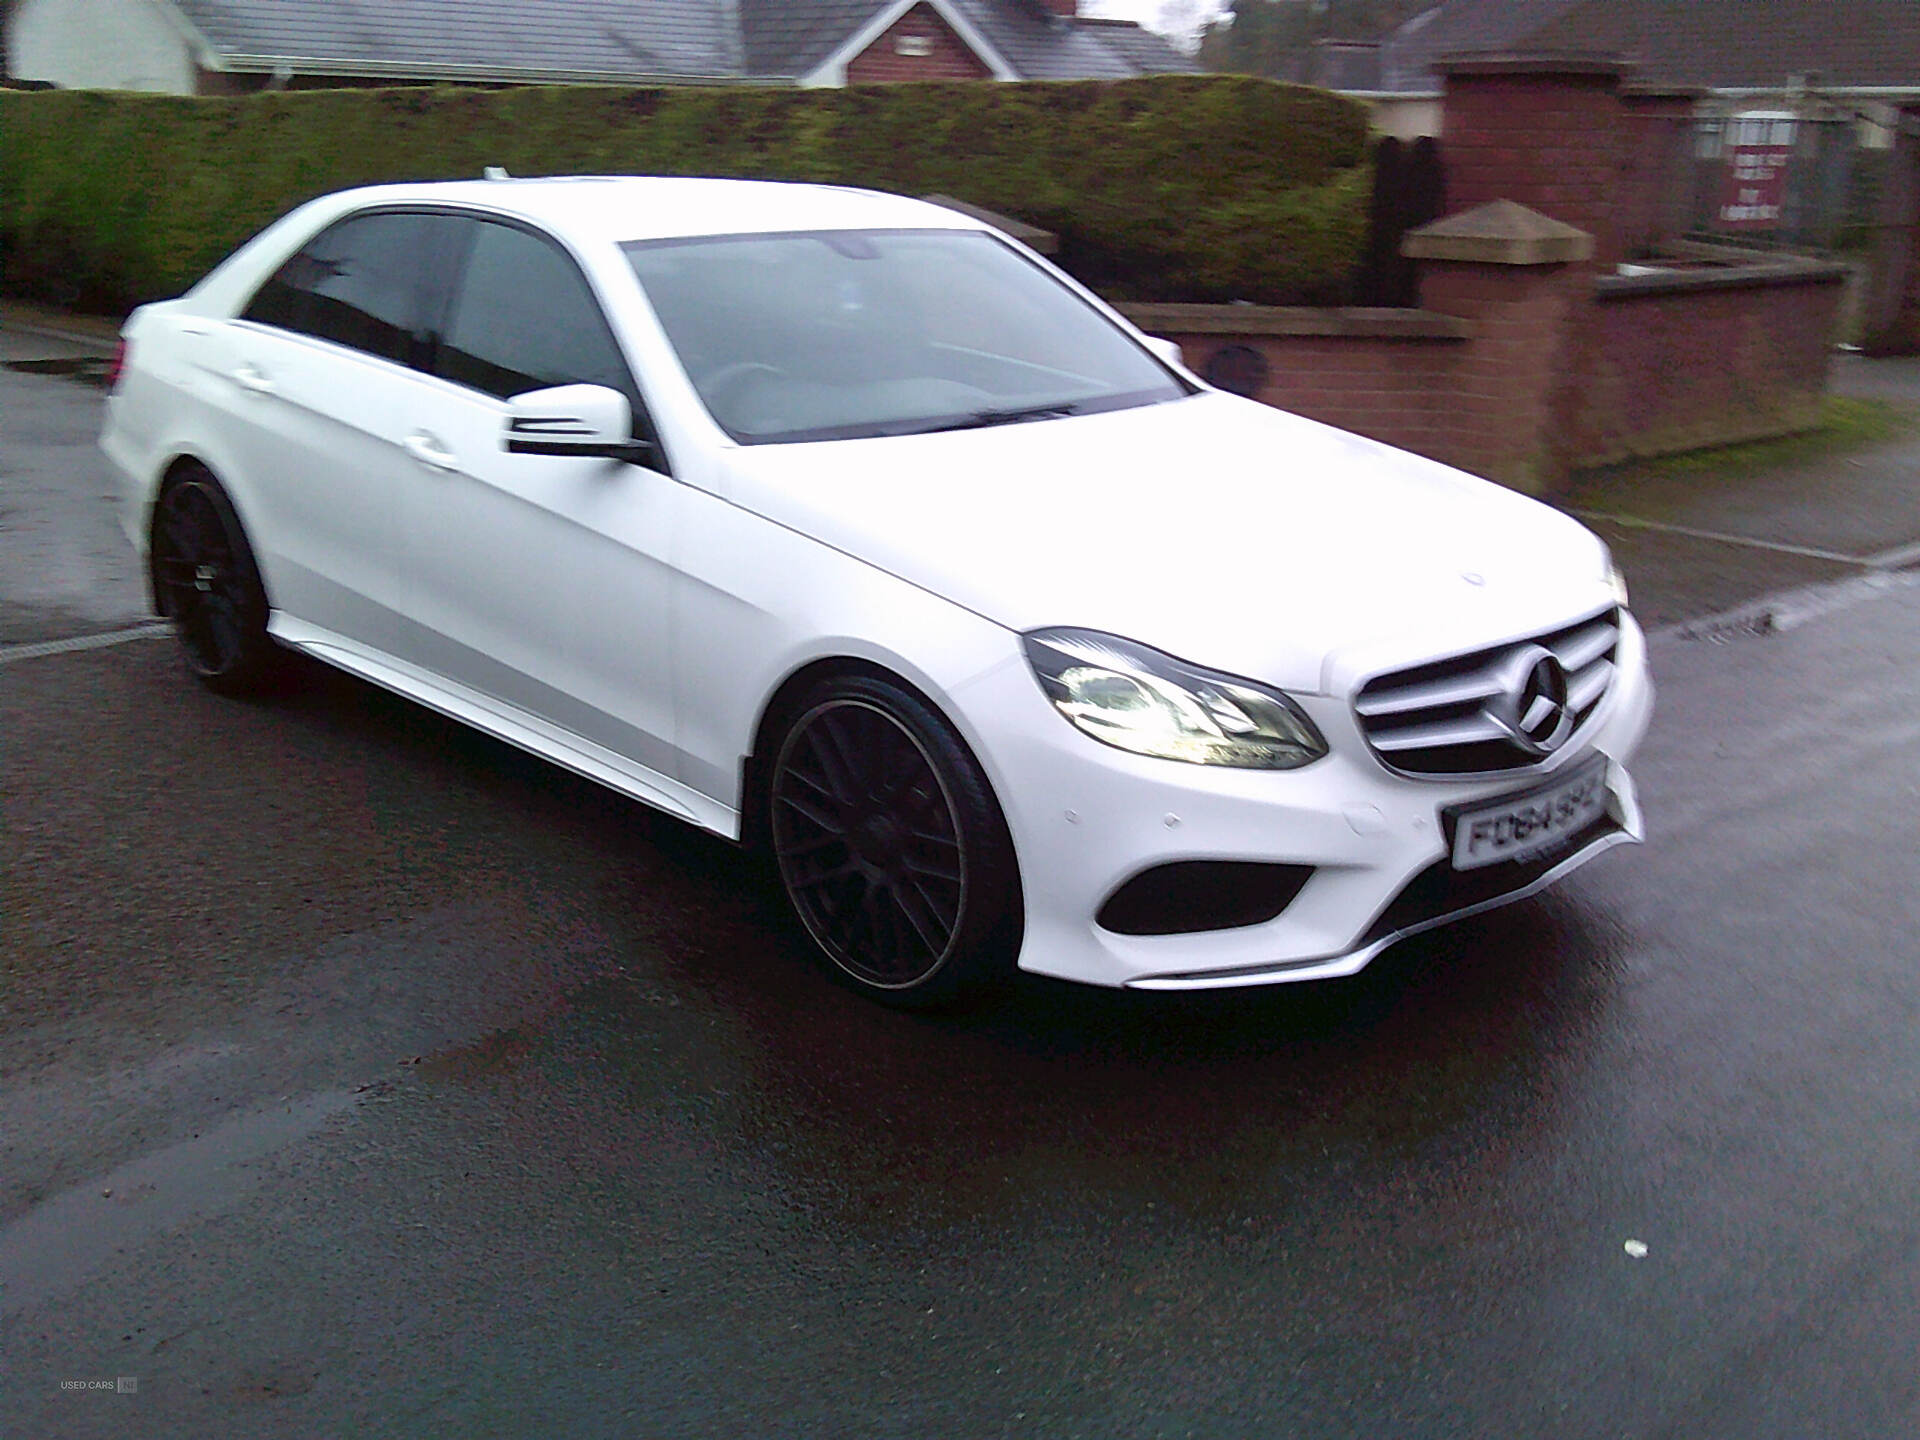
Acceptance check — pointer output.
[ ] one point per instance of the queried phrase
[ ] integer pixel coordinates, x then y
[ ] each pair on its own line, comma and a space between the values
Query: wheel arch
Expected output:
783, 706
172, 471
779, 709
179, 465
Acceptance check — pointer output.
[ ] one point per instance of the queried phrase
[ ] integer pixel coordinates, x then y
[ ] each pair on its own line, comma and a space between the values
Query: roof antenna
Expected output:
495, 172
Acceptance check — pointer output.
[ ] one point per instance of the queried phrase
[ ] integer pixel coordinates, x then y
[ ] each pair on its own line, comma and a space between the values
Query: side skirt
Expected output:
509, 723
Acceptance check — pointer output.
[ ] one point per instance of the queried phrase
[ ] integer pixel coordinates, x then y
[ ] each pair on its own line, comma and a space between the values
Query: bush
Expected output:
1167, 188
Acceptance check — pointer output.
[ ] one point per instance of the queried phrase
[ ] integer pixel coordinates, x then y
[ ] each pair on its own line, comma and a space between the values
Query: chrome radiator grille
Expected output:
1502, 708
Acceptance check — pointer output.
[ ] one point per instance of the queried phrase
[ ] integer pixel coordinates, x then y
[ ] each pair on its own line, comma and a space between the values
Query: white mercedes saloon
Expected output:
841, 525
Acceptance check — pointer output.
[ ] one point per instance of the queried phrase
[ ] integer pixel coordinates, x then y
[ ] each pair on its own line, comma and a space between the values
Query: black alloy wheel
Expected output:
890, 846
205, 581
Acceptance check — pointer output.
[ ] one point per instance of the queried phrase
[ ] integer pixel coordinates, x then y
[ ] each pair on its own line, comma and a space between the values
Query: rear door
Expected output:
540, 581
314, 374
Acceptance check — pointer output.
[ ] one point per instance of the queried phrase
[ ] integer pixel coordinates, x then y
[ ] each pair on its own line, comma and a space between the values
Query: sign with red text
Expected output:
1758, 148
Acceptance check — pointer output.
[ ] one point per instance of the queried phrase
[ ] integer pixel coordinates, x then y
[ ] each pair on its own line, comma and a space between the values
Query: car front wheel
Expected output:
890, 846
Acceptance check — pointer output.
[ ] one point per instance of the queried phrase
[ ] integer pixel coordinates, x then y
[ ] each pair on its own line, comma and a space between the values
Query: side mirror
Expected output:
1167, 350
585, 420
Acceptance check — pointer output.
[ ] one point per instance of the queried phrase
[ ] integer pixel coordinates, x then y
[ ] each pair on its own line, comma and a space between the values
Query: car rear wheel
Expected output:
890, 846
206, 582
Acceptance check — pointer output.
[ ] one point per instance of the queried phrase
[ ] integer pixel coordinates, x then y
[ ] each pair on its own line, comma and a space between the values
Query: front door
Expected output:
538, 581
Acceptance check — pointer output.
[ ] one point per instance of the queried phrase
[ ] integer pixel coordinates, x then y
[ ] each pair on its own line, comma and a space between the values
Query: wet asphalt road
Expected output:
359, 1075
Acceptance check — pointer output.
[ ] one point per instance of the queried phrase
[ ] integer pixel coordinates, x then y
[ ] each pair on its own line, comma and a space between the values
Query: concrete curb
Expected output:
1789, 609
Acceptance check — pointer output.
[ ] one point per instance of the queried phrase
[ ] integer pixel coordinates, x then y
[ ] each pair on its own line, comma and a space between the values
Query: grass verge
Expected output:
1847, 423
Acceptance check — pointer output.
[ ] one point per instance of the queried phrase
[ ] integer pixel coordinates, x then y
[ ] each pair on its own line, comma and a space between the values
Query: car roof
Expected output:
619, 208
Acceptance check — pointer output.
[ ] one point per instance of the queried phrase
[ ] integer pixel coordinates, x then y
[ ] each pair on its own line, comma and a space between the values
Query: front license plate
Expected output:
1523, 826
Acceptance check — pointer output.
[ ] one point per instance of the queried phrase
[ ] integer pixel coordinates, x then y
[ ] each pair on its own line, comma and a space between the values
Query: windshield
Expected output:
840, 334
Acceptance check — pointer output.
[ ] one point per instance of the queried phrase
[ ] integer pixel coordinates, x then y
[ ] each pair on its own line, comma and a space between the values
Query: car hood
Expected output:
1230, 534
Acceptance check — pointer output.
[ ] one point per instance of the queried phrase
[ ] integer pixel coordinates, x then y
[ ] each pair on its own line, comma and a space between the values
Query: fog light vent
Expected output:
1194, 895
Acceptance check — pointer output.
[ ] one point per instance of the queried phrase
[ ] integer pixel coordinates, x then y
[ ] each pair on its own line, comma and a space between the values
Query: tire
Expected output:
206, 582
890, 846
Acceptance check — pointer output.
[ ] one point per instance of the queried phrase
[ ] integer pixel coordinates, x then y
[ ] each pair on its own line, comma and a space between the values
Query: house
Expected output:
1737, 51
1721, 46
1738, 54
236, 46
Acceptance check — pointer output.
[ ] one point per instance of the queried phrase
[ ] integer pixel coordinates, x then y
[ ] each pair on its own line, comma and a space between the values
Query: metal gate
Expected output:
1777, 179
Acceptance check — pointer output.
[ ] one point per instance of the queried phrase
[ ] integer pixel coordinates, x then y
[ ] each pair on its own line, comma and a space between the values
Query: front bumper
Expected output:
1085, 818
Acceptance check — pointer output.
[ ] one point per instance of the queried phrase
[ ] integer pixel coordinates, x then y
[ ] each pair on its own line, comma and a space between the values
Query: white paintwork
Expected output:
584, 415
633, 625
101, 45
1172, 511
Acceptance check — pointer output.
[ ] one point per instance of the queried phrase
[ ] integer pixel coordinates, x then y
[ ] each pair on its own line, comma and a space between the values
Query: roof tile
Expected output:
639, 39
1713, 43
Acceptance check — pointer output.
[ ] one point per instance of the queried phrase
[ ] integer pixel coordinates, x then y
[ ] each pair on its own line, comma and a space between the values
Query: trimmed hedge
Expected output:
1203, 188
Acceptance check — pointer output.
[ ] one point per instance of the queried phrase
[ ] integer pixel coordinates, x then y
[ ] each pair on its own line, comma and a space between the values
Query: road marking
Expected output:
1781, 547
151, 630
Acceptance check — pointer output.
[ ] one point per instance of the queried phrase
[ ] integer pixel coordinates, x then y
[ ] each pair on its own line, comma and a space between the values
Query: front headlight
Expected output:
1152, 704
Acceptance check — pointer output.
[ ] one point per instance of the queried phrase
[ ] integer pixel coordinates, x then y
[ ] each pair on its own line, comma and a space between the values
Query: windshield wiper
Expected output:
980, 419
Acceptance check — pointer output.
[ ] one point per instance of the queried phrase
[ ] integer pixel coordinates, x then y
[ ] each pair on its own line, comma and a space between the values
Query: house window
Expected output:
917, 46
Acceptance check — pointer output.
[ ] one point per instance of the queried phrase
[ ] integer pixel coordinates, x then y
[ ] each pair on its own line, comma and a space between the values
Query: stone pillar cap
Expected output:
1500, 233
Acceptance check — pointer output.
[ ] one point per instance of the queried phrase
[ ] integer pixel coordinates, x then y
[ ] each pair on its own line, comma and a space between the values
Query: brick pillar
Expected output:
1654, 190
1891, 323
1545, 131
1569, 137
1522, 280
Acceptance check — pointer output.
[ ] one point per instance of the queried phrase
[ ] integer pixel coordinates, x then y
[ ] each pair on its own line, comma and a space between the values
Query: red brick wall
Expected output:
1703, 367
1395, 390
1523, 372
1892, 319
1503, 420
1649, 203
1663, 371
950, 58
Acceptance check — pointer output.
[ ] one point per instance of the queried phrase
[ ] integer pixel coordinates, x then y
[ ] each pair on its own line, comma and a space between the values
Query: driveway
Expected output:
359, 1075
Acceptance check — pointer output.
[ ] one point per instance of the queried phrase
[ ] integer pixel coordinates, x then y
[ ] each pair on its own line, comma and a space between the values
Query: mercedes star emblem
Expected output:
1532, 704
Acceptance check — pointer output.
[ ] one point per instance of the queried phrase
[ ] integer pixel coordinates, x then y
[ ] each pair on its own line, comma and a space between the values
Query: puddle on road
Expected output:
88, 369
73, 1236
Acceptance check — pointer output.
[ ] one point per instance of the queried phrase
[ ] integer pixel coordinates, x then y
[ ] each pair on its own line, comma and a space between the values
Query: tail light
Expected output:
117, 366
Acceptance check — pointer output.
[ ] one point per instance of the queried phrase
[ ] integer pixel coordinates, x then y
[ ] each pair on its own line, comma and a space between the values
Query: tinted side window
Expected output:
358, 283
524, 319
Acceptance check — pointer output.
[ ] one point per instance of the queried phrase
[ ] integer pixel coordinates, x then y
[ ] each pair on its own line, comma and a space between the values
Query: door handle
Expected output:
253, 380
429, 451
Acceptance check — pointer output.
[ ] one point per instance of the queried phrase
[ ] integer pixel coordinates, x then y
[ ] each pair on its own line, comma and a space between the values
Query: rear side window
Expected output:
361, 283
524, 319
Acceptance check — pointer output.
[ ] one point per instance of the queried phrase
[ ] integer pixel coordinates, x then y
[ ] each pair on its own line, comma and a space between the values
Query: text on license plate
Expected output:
1522, 826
